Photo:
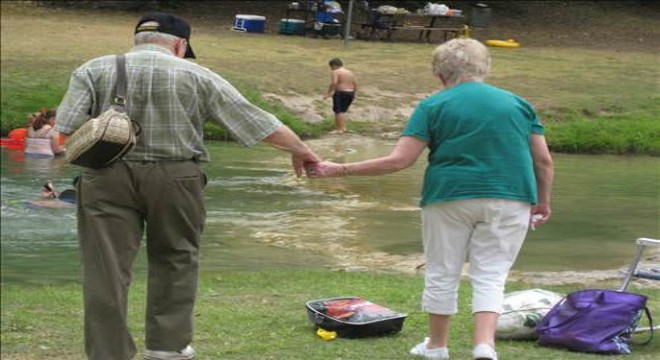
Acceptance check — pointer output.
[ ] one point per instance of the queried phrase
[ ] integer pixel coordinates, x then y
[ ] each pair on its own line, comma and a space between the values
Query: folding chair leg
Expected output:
647, 328
641, 243
633, 267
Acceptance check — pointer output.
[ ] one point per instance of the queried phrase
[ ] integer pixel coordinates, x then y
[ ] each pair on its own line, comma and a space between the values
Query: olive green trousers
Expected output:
115, 205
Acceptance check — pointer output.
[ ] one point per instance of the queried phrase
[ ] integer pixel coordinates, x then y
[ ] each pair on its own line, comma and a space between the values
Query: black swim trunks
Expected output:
341, 100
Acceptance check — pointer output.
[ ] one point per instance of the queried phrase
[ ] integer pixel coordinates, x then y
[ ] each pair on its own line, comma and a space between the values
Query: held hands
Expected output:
301, 162
325, 169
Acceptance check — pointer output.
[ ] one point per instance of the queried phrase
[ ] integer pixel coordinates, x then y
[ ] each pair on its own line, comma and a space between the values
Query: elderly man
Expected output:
159, 185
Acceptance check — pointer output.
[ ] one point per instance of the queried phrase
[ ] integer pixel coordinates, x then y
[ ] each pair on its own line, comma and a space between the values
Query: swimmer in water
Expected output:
50, 198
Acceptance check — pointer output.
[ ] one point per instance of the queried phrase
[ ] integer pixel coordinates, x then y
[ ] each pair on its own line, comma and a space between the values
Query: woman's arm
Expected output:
544, 172
404, 155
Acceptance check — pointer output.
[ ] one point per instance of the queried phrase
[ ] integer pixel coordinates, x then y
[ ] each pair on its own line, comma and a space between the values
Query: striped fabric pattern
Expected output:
170, 98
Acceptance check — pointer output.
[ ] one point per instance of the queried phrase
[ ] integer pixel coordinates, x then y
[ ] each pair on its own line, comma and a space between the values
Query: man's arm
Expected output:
285, 139
250, 125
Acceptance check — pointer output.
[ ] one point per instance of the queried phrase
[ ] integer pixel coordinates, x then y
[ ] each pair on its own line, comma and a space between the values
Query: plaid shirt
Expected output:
170, 98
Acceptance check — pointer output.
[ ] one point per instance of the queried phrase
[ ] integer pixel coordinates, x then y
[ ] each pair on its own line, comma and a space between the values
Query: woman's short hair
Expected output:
150, 37
460, 60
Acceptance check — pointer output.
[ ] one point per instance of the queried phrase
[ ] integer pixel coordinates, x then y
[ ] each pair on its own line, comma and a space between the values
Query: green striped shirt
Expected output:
170, 98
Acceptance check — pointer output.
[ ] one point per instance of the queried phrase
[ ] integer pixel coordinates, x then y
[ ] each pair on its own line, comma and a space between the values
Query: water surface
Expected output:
260, 216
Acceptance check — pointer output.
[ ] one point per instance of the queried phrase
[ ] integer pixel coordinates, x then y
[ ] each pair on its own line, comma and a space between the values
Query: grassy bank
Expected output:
593, 101
261, 315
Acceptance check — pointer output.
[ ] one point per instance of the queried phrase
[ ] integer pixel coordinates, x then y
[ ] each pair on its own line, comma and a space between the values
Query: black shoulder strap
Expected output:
120, 97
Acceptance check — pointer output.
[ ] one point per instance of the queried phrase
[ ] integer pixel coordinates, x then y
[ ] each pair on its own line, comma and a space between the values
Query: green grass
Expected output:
594, 101
619, 134
261, 315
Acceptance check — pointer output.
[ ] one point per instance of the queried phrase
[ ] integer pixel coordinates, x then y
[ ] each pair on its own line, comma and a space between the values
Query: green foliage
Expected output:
23, 94
621, 134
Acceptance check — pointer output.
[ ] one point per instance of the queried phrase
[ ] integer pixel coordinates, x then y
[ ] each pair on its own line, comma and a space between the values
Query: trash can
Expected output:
480, 15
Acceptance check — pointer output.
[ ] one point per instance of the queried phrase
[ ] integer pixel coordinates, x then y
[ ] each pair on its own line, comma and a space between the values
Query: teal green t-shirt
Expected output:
479, 138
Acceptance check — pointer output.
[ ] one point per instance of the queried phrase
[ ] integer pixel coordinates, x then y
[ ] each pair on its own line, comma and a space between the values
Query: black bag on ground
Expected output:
354, 317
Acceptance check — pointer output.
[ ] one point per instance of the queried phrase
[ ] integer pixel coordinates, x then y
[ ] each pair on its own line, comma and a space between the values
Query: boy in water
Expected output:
343, 88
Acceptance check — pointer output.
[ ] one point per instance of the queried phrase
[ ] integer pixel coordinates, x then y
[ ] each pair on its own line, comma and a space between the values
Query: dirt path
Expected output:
307, 107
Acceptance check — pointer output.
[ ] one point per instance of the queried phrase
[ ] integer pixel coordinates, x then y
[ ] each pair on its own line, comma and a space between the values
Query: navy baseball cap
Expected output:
167, 24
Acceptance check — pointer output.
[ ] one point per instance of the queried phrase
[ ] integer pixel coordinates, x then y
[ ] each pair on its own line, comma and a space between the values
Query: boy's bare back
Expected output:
343, 79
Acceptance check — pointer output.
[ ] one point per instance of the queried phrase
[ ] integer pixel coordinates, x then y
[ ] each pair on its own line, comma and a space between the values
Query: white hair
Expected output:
150, 37
460, 60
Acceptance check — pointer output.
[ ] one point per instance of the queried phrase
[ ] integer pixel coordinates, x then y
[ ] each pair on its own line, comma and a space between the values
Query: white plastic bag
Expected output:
522, 310
436, 9
387, 9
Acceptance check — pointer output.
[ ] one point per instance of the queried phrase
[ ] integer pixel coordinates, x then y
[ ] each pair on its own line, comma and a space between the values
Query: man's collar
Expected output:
152, 47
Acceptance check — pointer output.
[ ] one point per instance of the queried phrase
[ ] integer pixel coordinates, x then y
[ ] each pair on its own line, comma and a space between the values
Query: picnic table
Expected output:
386, 25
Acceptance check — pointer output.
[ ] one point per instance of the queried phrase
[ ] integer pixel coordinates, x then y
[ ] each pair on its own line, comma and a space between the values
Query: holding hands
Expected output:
325, 169
302, 161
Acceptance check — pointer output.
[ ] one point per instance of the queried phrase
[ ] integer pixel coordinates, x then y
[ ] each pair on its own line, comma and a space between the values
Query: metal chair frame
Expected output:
642, 243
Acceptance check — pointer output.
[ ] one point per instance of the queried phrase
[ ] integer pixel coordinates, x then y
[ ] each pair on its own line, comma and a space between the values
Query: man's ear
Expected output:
180, 48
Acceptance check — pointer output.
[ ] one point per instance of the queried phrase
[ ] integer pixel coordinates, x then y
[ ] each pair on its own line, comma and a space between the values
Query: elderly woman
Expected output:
488, 178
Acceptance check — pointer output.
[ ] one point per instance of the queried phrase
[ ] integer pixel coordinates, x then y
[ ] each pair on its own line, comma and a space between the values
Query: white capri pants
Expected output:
489, 233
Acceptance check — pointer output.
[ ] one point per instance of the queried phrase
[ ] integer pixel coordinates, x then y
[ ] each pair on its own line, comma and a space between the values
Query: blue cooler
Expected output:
249, 23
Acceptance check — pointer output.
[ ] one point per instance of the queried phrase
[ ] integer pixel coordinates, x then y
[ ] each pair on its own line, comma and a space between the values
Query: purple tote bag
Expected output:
593, 320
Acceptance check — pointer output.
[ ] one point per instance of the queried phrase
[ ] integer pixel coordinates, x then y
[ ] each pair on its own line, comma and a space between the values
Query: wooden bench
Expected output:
425, 31
369, 31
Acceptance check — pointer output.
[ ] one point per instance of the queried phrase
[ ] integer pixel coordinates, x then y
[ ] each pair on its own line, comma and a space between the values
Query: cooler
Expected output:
249, 23
292, 27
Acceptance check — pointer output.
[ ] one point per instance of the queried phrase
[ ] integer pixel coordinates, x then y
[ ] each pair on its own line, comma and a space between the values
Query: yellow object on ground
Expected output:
326, 335
503, 43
